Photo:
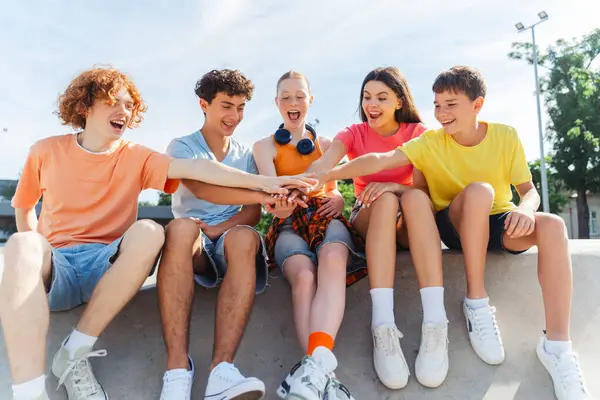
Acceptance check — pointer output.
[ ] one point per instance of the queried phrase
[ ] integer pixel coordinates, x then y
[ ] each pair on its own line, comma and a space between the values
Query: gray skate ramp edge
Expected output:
136, 357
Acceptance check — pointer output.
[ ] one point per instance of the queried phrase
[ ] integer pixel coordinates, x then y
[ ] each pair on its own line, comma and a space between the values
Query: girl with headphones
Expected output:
315, 247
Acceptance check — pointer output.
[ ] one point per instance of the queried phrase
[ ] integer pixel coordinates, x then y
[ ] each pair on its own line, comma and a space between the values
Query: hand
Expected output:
282, 184
320, 181
282, 208
210, 231
519, 223
299, 197
373, 190
332, 207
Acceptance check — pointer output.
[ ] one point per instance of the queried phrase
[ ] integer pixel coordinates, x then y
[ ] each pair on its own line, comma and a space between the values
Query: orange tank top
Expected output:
289, 161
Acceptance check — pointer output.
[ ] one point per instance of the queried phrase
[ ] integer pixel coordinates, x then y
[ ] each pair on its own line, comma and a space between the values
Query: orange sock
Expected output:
317, 339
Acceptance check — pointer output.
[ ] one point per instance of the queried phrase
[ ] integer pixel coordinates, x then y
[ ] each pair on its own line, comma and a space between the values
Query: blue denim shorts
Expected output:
76, 271
215, 252
289, 243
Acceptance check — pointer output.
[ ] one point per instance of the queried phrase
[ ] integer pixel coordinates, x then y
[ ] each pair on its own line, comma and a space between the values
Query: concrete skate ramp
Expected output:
136, 357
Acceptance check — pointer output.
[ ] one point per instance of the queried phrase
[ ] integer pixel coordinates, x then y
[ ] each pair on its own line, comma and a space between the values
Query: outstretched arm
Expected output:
226, 195
210, 171
367, 164
331, 156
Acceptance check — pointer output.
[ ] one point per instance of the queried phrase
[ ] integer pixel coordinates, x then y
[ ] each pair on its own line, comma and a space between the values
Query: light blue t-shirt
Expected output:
184, 203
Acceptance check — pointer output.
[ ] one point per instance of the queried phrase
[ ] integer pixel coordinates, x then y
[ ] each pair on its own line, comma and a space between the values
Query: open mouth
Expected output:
293, 115
117, 124
229, 125
374, 114
447, 122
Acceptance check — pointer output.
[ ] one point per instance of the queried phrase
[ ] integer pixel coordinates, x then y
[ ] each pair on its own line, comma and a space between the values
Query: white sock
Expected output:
477, 303
432, 299
30, 390
557, 347
78, 340
382, 307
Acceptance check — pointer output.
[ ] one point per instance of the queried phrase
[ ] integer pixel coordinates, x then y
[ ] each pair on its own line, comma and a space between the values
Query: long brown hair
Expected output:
393, 78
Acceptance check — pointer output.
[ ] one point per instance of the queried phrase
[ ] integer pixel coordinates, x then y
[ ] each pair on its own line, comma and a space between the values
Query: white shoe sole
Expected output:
542, 359
477, 351
101, 387
250, 389
433, 383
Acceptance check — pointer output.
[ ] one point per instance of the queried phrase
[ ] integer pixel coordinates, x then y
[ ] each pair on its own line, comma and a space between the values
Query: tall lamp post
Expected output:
520, 28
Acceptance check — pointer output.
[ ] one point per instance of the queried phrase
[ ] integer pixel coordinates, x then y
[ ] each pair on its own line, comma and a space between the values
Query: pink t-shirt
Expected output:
360, 139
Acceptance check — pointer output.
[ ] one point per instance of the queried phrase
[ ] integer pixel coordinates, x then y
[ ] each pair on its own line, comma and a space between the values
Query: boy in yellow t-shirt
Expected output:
467, 167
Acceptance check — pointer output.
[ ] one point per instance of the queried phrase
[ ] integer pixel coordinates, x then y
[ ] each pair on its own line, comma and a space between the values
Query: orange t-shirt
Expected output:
289, 161
88, 197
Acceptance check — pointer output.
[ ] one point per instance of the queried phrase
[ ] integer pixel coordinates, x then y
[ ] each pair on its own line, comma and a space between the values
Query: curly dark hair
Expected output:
97, 84
232, 82
461, 79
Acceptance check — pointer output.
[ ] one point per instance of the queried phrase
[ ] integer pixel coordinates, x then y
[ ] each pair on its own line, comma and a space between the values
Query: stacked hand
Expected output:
282, 184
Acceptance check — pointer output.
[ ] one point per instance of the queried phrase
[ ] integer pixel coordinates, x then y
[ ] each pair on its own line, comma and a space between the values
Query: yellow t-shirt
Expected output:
449, 167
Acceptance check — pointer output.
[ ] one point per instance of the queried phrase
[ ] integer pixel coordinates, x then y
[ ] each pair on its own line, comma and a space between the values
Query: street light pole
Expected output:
545, 198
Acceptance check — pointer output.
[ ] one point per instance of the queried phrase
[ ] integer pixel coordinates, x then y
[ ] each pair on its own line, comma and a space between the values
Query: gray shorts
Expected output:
289, 243
216, 255
76, 271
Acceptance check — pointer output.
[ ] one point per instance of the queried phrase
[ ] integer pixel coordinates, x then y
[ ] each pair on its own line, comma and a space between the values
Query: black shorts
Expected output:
451, 239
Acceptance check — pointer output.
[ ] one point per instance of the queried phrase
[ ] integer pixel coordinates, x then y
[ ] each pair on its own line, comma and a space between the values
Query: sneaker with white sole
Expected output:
565, 373
484, 333
77, 375
225, 382
431, 367
177, 383
389, 361
336, 390
310, 380
284, 386
43, 396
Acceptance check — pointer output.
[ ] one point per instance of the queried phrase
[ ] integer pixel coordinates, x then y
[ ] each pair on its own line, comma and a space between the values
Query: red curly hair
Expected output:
97, 84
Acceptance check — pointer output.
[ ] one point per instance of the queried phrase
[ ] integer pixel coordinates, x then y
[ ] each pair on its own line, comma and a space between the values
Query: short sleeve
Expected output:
29, 190
419, 130
178, 149
156, 171
346, 136
415, 149
252, 167
519, 170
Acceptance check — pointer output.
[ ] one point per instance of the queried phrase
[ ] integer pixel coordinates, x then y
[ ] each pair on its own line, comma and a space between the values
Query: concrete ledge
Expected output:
136, 356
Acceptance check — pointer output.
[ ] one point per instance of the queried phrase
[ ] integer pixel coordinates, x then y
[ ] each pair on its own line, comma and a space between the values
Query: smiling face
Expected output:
380, 103
110, 118
224, 113
456, 112
293, 100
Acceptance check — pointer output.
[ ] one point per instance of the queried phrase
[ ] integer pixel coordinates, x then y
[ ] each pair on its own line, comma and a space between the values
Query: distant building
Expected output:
4, 183
569, 215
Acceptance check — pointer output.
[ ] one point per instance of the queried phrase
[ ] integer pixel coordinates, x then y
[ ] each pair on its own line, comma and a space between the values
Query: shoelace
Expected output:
336, 390
318, 377
177, 386
433, 338
389, 340
570, 371
79, 372
485, 323
229, 373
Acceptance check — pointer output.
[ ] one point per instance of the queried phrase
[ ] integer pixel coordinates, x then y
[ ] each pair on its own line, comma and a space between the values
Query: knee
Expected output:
387, 201
148, 232
181, 227
333, 255
414, 198
550, 226
24, 252
304, 279
480, 192
242, 239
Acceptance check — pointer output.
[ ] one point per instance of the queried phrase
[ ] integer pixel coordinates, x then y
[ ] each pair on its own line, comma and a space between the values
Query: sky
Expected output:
165, 49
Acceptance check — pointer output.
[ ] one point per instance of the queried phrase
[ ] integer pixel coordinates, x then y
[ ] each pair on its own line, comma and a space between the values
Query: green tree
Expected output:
164, 199
571, 91
556, 188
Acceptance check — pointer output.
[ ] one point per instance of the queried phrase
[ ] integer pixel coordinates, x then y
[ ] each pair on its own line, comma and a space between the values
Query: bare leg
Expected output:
300, 273
469, 213
554, 271
175, 284
23, 304
237, 292
140, 247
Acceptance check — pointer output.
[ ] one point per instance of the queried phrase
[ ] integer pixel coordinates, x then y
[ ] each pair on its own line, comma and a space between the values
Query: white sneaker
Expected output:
310, 380
484, 333
431, 366
226, 382
177, 383
337, 391
77, 375
565, 373
389, 361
